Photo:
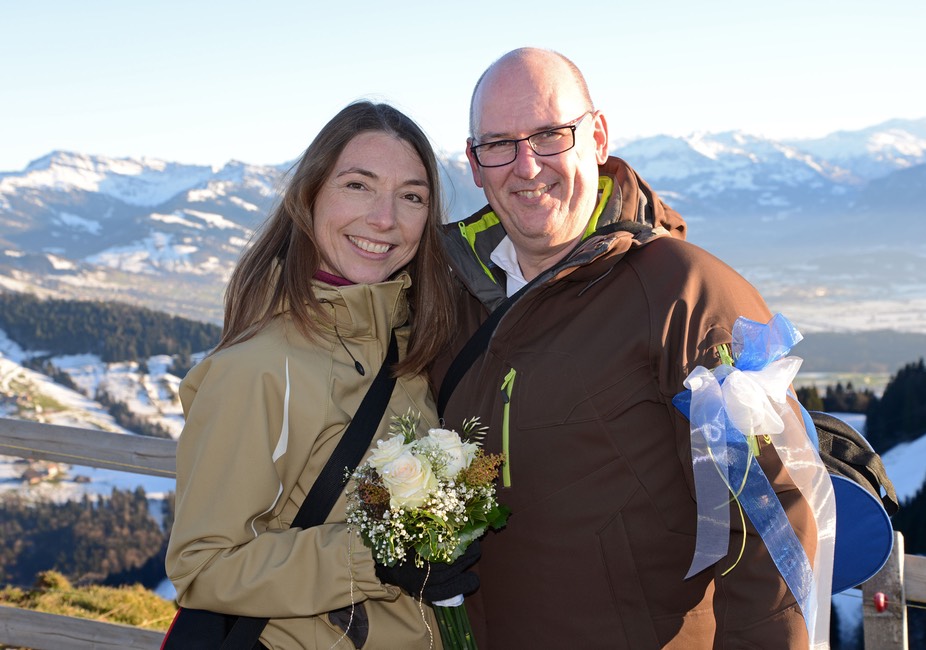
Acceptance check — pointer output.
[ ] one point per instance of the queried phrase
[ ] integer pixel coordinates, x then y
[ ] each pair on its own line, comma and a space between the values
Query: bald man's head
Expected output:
534, 62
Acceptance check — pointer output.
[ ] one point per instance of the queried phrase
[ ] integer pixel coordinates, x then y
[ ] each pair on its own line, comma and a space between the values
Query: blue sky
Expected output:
206, 82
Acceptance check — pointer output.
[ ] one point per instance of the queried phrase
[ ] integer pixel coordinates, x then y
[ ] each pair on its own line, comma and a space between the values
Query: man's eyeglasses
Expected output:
544, 143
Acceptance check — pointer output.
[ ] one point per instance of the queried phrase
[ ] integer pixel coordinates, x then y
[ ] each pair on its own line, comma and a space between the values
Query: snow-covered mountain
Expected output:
873, 152
737, 174
159, 233
811, 222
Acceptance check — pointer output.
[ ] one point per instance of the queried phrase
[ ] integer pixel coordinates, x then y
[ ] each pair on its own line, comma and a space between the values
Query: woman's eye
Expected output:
355, 185
414, 198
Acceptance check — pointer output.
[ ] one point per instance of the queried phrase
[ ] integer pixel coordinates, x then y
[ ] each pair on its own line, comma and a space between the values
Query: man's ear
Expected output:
475, 168
601, 138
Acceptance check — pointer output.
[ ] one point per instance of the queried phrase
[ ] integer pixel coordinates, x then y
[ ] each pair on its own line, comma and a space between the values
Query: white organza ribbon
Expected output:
728, 406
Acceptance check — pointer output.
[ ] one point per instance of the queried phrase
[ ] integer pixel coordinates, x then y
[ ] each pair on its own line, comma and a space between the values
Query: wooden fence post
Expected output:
887, 630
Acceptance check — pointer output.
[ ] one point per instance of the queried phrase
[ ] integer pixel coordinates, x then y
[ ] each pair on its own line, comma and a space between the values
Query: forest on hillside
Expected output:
113, 540
114, 331
898, 416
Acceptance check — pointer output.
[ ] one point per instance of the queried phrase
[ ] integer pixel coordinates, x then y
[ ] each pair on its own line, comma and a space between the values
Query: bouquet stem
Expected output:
455, 630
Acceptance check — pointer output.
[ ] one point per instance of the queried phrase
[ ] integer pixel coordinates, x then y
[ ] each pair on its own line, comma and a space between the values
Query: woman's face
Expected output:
372, 209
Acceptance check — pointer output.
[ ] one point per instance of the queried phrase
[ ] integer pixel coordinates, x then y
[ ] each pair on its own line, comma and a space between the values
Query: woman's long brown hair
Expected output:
276, 270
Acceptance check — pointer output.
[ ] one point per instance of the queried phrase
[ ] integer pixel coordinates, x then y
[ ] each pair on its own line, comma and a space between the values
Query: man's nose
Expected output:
526, 161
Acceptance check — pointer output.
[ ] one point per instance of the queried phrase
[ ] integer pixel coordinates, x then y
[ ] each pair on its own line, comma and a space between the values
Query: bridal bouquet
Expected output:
427, 497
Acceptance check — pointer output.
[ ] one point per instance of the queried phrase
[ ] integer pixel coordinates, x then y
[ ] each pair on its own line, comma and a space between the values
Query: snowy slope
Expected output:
29, 395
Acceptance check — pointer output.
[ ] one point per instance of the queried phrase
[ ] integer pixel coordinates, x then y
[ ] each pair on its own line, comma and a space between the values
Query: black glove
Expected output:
444, 580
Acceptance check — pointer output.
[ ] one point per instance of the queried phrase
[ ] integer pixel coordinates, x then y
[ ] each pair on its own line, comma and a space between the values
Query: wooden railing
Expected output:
90, 448
902, 580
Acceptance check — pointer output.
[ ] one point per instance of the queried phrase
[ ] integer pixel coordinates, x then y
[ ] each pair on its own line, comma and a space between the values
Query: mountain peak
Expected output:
142, 182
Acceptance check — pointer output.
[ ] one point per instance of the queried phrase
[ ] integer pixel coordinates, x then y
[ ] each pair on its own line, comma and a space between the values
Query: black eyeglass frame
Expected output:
572, 126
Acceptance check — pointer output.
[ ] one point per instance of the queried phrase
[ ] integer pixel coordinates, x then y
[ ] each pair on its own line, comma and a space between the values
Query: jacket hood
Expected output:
632, 199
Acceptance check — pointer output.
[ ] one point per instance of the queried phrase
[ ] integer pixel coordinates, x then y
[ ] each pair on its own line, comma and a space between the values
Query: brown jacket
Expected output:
603, 519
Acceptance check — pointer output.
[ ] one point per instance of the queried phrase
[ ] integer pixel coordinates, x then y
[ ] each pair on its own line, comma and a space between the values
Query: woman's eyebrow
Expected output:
369, 174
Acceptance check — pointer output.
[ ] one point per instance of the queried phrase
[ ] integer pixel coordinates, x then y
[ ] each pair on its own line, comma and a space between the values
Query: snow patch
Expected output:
212, 219
176, 218
245, 205
157, 252
79, 223
204, 194
60, 264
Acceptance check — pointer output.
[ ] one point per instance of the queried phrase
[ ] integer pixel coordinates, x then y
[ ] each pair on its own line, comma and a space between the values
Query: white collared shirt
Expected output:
506, 257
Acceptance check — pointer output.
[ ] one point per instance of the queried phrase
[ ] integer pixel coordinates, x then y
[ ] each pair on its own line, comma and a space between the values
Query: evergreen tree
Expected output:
810, 398
900, 414
845, 399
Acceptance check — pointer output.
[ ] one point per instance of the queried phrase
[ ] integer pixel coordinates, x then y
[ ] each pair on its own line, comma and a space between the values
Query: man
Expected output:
576, 387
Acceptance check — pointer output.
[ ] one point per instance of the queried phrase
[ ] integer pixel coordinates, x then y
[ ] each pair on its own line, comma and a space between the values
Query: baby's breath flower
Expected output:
459, 504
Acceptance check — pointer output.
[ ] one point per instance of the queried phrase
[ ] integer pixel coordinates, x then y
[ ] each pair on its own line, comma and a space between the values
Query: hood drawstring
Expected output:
357, 365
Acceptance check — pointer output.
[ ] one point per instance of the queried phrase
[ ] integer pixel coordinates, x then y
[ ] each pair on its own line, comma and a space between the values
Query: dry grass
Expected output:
54, 594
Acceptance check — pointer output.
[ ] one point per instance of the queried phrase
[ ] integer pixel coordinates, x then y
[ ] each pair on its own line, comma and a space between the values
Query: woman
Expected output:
350, 254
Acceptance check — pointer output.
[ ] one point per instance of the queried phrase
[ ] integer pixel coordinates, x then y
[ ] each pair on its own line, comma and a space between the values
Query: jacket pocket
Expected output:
550, 392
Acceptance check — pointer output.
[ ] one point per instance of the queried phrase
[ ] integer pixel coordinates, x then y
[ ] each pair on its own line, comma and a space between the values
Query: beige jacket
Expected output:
262, 418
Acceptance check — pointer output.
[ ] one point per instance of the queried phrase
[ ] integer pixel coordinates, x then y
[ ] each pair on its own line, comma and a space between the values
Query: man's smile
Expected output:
534, 194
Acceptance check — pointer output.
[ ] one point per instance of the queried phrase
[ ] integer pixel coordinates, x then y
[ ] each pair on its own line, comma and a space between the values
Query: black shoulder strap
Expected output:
470, 351
331, 480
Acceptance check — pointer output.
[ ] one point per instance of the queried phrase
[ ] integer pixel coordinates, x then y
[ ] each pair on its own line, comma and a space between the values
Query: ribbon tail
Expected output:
798, 453
708, 453
766, 513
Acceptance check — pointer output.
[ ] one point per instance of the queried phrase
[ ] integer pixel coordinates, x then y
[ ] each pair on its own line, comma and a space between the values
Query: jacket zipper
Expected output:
507, 387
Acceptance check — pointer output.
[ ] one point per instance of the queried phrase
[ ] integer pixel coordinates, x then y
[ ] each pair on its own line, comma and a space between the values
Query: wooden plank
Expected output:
887, 630
89, 447
41, 631
914, 578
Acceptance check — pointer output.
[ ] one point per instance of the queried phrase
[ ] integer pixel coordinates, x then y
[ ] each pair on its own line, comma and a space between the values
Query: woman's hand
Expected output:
435, 580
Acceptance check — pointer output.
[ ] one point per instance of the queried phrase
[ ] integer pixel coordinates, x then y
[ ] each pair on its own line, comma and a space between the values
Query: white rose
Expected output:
387, 451
459, 454
409, 480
